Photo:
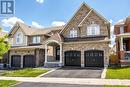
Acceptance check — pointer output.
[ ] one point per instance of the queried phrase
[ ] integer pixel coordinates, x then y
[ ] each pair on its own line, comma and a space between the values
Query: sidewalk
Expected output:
81, 81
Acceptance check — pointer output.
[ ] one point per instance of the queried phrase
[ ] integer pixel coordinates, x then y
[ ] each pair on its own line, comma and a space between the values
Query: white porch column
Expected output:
46, 53
121, 44
61, 54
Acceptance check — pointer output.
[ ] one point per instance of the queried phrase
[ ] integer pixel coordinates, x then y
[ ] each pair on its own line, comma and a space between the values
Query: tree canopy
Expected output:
4, 44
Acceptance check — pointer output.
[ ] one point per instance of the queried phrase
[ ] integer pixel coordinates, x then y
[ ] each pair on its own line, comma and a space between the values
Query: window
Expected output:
121, 29
36, 39
93, 29
19, 38
73, 33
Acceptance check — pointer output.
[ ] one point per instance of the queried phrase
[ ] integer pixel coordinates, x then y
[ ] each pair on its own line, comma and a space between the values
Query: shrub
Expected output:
113, 59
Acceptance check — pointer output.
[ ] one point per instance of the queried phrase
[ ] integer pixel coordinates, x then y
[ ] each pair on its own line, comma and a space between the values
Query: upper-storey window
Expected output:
93, 29
73, 33
36, 39
19, 38
121, 29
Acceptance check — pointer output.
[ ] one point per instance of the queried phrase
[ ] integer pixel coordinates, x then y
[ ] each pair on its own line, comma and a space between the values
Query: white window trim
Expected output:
36, 39
73, 33
93, 29
20, 38
122, 29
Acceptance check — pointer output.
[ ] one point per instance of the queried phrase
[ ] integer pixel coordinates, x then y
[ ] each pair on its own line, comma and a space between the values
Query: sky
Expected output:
45, 13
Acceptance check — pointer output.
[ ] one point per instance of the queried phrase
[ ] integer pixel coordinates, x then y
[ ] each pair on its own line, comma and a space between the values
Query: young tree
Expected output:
4, 44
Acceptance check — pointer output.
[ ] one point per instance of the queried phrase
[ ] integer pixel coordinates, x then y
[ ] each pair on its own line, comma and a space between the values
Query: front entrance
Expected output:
57, 53
72, 58
94, 58
29, 61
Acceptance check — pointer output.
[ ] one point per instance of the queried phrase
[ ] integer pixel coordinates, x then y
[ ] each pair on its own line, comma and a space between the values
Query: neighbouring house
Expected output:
122, 32
83, 41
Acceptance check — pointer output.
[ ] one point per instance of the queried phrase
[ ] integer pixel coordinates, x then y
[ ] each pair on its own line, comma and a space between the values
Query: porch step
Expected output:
125, 63
51, 65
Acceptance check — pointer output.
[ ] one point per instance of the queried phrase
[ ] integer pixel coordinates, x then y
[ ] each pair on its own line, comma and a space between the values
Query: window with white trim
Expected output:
121, 29
19, 38
93, 29
36, 39
73, 33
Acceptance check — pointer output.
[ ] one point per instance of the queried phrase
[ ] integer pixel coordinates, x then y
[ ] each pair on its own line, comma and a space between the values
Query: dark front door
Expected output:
29, 61
58, 53
73, 58
94, 58
15, 61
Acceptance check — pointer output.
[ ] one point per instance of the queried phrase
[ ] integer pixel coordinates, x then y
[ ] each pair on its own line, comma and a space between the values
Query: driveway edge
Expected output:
47, 73
103, 75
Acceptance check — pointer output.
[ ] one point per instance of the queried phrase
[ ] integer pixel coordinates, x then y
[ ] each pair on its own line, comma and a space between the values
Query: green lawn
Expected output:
28, 72
118, 73
7, 83
115, 86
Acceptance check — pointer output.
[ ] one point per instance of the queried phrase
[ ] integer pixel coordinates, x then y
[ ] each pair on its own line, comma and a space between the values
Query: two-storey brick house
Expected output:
122, 32
83, 41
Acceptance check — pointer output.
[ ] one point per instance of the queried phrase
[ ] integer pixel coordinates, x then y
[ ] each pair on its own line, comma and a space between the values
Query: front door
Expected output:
58, 53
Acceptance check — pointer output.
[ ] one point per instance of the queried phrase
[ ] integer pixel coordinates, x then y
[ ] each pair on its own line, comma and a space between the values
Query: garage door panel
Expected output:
29, 61
72, 58
15, 61
94, 58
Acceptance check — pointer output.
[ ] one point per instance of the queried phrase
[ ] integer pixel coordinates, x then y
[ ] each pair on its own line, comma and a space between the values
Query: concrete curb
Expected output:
70, 80
103, 75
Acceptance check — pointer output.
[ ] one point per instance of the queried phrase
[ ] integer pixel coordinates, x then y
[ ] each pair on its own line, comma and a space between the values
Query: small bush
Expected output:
114, 60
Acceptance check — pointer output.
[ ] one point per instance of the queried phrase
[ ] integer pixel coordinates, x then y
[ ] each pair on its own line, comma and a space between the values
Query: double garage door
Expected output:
28, 61
92, 58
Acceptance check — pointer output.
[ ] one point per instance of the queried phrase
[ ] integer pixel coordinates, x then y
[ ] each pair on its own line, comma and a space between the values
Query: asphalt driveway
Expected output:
52, 85
76, 72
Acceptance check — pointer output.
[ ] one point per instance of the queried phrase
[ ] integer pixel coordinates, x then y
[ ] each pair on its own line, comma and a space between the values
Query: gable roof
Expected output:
25, 28
56, 37
83, 4
46, 30
122, 22
97, 13
91, 9
28, 30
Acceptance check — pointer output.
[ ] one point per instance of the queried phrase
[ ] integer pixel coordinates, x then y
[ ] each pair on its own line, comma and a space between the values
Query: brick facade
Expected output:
84, 15
38, 54
84, 46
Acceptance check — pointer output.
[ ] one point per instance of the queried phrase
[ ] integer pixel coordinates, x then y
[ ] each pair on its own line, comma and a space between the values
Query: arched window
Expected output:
93, 29
73, 33
19, 38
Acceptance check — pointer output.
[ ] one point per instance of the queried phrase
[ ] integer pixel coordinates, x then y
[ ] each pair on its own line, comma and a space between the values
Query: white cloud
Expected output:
58, 23
36, 25
5, 31
111, 21
10, 21
40, 1
121, 20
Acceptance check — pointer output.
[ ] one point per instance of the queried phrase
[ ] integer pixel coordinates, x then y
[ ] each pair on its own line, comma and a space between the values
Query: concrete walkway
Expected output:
81, 81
